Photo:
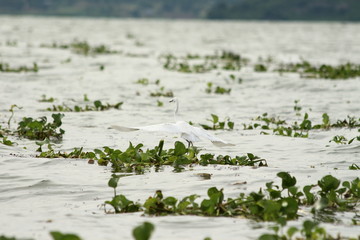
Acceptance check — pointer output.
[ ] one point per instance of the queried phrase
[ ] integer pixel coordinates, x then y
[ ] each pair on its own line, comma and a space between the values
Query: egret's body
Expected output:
189, 133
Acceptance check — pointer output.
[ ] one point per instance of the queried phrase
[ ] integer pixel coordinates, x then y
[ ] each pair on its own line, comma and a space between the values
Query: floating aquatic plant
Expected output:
143, 231
218, 125
354, 167
82, 48
136, 159
159, 103
301, 129
309, 230
217, 90
273, 203
339, 139
184, 66
5, 67
40, 129
162, 93
146, 81
235, 79
260, 68
191, 63
64, 236
46, 99
307, 70
97, 106
6, 141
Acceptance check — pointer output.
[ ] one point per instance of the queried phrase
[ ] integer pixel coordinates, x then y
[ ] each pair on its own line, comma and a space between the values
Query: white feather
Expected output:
188, 132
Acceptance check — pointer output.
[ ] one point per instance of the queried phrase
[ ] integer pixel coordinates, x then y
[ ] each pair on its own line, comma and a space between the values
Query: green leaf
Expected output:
97, 104
268, 237
144, 231
215, 118
287, 180
170, 201
293, 190
308, 228
290, 207
62, 236
77, 109
291, 231
328, 183
326, 119
180, 148
211, 191
251, 156
113, 181
310, 198
57, 119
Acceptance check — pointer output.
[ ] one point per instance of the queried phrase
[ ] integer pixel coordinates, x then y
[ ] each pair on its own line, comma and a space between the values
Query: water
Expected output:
42, 195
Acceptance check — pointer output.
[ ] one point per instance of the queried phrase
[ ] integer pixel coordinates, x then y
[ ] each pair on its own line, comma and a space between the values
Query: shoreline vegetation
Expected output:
318, 10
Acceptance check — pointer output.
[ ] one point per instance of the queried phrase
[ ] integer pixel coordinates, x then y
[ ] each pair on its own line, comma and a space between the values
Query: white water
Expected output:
42, 195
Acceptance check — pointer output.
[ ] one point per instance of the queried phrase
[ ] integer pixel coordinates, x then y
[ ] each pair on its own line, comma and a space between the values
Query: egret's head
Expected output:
173, 100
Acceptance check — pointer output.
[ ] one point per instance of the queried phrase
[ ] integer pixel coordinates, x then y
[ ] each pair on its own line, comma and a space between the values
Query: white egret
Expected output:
189, 133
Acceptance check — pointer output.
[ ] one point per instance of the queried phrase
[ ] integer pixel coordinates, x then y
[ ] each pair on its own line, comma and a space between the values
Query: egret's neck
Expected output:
176, 111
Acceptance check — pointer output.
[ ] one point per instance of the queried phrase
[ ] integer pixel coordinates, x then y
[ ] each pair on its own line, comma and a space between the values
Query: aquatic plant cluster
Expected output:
5, 67
225, 60
274, 203
301, 129
82, 48
97, 106
135, 159
230, 61
309, 230
217, 124
307, 70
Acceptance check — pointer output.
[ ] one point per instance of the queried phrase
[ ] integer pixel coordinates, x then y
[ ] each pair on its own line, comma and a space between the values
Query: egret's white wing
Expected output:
165, 127
195, 133
215, 140
123, 129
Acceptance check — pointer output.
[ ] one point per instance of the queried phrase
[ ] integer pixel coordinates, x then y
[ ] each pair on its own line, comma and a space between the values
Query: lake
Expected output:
39, 195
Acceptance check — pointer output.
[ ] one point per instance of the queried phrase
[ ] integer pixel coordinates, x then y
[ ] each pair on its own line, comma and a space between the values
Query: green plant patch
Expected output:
46, 99
260, 68
64, 236
310, 230
216, 124
143, 231
40, 129
192, 63
82, 48
5, 67
277, 203
146, 81
183, 66
217, 90
354, 167
6, 141
301, 129
136, 159
307, 70
267, 122
235, 79
97, 106
162, 93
